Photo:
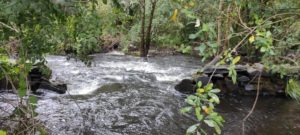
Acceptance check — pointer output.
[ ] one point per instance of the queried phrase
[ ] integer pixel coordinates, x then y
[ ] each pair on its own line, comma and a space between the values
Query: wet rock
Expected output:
216, 70
218, 76
186, 86
243, 79
36, 80
113, 46
252, 71
247, 79
133, 47
58, 88
39, 80
203, 79
250, 87
230, 86
108, 88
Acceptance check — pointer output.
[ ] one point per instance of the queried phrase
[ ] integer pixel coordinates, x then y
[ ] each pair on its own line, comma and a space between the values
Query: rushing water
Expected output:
125, 95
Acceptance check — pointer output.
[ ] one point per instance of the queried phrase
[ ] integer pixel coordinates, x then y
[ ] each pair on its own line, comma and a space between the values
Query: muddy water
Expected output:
125, 95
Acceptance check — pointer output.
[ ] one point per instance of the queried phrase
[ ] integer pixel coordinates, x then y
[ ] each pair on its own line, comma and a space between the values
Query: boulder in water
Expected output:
36, 80
186, 86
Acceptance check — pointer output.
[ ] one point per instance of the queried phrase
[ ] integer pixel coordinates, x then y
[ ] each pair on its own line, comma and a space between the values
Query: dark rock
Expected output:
36, 80
4, 85
113, 46
186, 86
216, 70
247, 79
223, 70
132, 47
218, 76
243, 79
203, 79
230, 86
250, 87
220, 84
58, 88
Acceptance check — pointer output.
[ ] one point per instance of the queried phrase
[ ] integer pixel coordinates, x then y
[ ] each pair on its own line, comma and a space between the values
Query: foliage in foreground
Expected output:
30, 29
203, 104
2, 132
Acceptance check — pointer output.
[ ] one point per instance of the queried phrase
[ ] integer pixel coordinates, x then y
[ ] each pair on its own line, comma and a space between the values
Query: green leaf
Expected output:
2, 132
193, 36
251, 39
104, 1
268, 34
185, 109
199, 84
263, 49
198, 113
192, 129
209, 86
191, 100
202, 48
211, 105
187, 49
214, 97
205, 27
234, 76
217, 129
210, 123
213, 45
174, 16
236, 60
215, 90
203, 132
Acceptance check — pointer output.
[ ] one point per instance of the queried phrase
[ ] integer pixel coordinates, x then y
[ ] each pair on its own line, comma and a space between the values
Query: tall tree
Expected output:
146, 32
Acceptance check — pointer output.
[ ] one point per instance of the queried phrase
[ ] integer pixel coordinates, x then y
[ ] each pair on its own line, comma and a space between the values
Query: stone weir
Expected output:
247, 81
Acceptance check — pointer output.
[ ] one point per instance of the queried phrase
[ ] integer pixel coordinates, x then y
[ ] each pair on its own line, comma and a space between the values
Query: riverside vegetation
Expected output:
217, 31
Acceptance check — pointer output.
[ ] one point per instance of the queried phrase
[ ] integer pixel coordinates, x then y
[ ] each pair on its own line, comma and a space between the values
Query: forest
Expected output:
114, 67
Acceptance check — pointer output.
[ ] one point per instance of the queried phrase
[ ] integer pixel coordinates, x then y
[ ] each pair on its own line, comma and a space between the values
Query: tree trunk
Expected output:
227, 29
219, 24
142, 44
148, 34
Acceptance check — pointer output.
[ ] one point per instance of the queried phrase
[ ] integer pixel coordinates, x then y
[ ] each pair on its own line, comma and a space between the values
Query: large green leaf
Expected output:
192, 129
185, 109
198, 113
214, 97
202, 48
2, 132
210, 123
193, 36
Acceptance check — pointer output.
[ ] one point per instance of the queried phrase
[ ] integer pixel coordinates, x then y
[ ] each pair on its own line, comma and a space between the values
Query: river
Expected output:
126, 95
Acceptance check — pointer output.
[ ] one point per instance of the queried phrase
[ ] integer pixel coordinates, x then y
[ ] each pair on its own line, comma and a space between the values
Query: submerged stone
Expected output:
113, 87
